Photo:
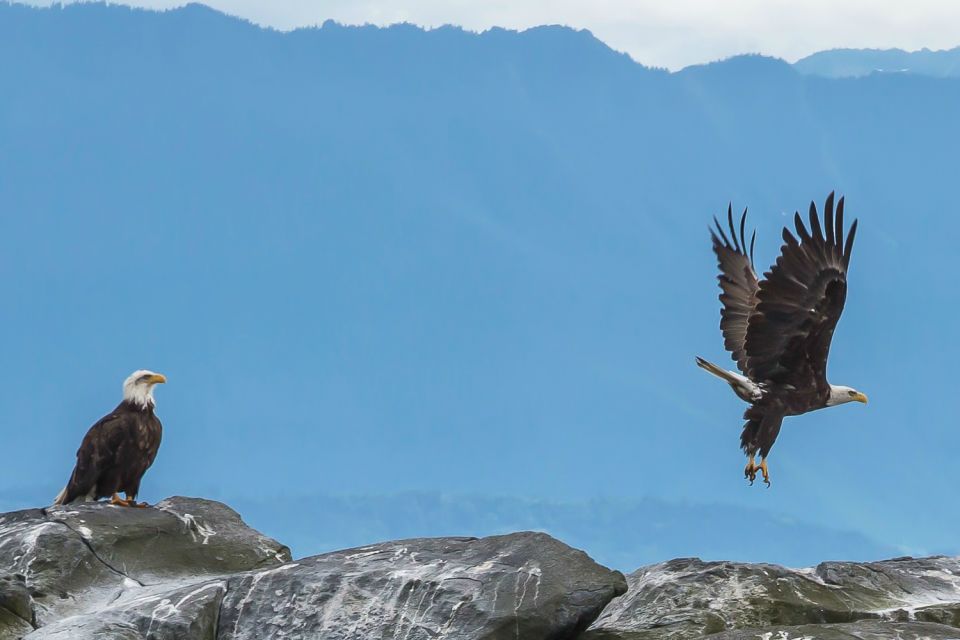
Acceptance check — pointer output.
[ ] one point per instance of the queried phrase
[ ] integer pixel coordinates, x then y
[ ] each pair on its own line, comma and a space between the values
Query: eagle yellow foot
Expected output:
750, 471
119, 502
129, 502
766, 473
132, 502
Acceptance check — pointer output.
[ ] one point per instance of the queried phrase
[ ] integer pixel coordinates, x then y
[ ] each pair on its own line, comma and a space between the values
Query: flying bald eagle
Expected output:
778, 330
119, 448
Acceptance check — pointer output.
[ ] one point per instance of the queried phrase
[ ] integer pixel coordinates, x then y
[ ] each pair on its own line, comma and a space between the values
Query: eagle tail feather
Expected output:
61, 497
745, 388
720, 372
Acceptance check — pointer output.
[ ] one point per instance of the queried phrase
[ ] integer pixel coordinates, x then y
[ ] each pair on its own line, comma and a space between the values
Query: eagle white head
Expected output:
138, 387
842, 395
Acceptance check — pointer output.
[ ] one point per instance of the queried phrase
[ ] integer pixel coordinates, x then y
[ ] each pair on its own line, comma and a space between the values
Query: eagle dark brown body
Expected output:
779, 329
119, 448
115, 454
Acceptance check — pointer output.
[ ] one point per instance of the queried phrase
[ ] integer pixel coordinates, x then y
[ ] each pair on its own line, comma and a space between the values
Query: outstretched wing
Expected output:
800, 302
738, 284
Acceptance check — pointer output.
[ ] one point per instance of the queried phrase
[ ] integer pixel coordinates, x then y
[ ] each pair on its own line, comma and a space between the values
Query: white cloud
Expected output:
670, 33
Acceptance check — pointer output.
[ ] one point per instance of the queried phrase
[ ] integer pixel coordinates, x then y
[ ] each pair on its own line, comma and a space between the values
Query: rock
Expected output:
187, 613
689, 598
66, 562
77, 559
180, 536
863, 630
190, 569
524, 585
16, 603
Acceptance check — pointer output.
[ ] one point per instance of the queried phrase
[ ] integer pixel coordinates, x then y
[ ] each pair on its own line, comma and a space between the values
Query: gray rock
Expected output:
524, 585
179, 537
60, 572
863, 630
12, 627
191, 569
689, 598
83, 559
187, 613
16, 603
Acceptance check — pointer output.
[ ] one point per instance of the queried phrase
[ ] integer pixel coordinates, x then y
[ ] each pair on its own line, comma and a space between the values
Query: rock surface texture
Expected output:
190, 569
904, 598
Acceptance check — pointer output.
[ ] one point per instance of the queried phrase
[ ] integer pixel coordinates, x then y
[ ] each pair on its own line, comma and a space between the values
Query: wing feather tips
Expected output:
839, 222
723, 236
848, 247
743, 225
733, 231
714, 239
801, 229
815, 231
789, 238
828, 219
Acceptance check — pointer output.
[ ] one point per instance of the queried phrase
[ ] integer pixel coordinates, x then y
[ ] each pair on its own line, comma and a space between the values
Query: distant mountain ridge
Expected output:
856, 63
832, 63
385, 260
622, 534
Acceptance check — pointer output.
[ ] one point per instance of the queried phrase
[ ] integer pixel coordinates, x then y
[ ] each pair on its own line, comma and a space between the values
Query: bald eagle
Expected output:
778, 330
119, 448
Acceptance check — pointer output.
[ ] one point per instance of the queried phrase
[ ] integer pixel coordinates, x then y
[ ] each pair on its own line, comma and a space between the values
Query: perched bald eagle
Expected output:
119, 448
778, 330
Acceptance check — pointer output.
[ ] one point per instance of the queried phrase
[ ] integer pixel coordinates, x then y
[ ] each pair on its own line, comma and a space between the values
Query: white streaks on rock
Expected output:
194, 525
255, 580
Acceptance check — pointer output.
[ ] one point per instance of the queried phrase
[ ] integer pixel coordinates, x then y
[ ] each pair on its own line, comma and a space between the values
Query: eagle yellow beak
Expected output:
158, 378
860, 397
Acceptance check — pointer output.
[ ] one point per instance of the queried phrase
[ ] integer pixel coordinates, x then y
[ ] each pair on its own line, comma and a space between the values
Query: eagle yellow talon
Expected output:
750, 471
116, 500
765, 471
132, 502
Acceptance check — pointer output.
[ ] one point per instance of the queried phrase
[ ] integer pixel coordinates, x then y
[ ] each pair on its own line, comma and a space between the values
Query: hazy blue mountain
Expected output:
374, 261
854, 63
623, 534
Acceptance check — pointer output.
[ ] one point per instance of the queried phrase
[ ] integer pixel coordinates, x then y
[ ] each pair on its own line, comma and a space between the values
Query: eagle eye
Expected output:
851, 393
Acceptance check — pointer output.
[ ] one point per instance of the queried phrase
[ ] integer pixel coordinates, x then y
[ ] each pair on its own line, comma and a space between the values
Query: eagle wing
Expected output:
97, 451
738, 285
800, 301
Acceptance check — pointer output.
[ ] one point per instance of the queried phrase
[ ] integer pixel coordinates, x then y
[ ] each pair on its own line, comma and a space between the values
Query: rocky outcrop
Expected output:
524, 585
190, 569
68, 571
688, 598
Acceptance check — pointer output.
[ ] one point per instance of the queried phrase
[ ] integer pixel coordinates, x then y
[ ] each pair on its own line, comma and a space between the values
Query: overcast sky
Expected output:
667, 33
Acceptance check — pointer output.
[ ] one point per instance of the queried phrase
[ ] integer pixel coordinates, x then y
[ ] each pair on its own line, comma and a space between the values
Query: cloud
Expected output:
671, 34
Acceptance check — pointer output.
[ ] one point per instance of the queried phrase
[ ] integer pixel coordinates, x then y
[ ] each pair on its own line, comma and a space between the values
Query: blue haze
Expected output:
380, 261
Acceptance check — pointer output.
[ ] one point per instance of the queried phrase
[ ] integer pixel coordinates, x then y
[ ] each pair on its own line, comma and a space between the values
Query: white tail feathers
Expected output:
60, 497
743, 386
723, 374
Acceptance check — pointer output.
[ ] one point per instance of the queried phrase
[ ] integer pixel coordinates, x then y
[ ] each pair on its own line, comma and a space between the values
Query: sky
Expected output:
464, 265
671, 34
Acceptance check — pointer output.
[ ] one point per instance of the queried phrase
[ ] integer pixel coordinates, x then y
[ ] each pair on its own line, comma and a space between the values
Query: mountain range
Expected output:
374, 261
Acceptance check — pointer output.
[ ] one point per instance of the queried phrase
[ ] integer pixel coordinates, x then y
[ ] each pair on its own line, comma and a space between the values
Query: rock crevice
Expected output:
92, 550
